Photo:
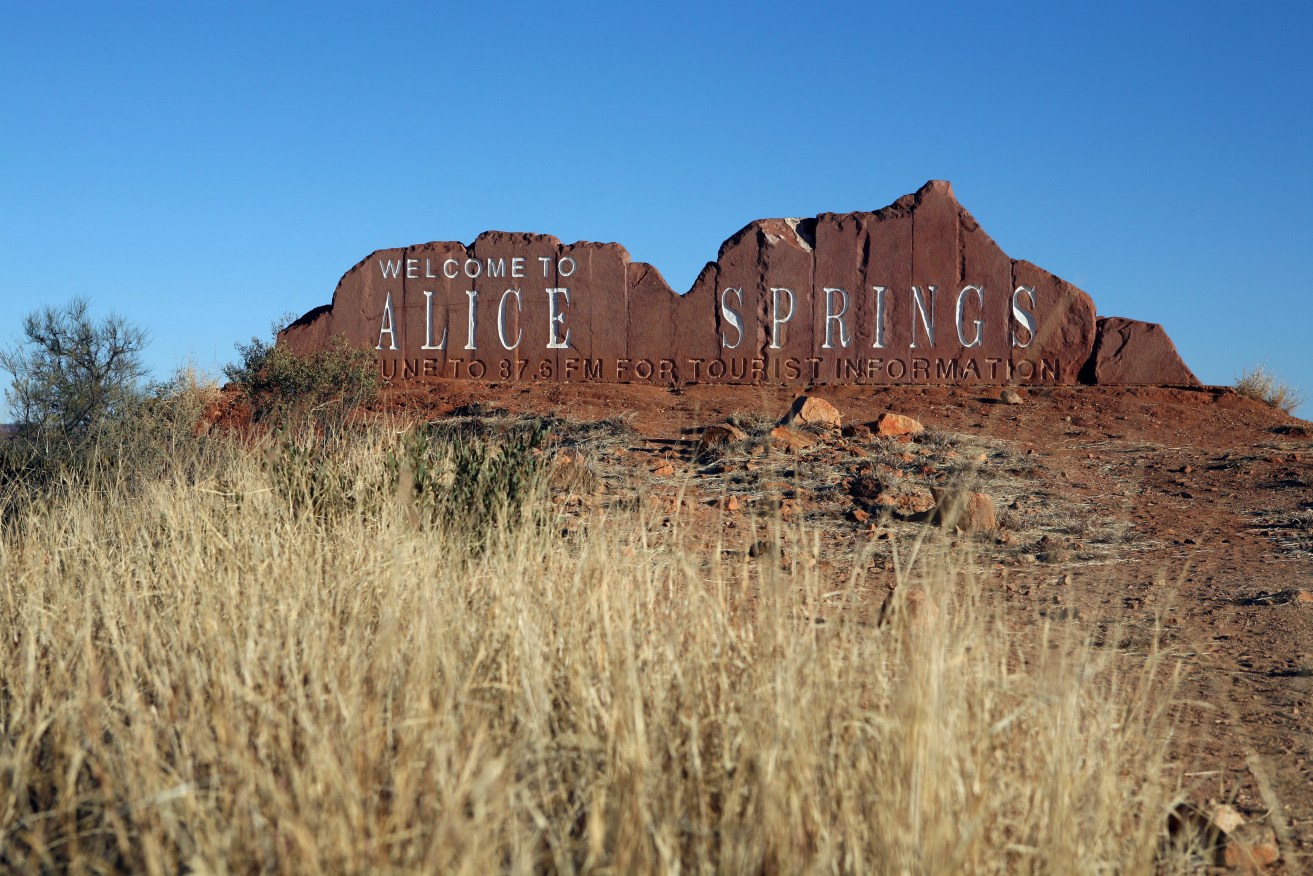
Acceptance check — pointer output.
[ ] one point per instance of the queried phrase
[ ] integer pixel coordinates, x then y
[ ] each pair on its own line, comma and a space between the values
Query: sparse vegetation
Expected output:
285, 386
215, 674
71, 373
1262, 385
85, 412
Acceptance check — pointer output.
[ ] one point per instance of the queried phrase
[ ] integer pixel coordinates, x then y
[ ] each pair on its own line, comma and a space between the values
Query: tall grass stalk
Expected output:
208, 677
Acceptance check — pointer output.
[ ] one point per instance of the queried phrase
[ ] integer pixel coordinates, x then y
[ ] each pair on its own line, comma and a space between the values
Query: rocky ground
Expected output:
1181, 514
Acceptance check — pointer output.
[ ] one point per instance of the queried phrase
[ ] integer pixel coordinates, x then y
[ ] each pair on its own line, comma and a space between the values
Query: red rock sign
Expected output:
914, 293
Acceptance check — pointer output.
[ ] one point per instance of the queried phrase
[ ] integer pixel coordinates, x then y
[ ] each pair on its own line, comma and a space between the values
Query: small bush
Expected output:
326, 384
70, 374
1262, 385
473, 485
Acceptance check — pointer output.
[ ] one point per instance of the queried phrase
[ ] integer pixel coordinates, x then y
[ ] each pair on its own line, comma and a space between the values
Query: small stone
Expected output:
859, 515
1225, 818
716, 438
864, 488
790, 440
813, 410
664, 470
1251, 847
892, 425
732, 503
1011, 397
1304, 596
910, 500
968, 511
859, 431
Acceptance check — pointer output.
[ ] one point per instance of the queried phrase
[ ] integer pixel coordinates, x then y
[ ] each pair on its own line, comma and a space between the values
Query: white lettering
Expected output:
388, 326
547, 264
473, 296
831, 316
560, 266
731, 316
428, 270
501, 319
1025, 318
428, 325
927, 315
776, 319
391, 270
555, 318
478, 268
412, 269
497, 267
454, 266
878, 343
979, 323
517, 266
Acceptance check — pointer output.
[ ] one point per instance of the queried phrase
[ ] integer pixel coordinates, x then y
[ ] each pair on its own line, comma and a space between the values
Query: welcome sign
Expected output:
914, 293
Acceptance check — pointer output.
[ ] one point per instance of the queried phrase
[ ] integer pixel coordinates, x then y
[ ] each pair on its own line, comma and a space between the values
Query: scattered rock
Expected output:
716, 438
812, 410
968, 511
664, 470
859, 431
909, 501
790, 440
571, 472
892, 425
1225, 818
1010, 396
1050, 550
865, 488
1250, 847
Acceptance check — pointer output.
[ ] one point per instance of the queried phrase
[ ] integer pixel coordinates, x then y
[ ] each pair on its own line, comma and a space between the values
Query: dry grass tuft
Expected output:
212, 676
1262, 385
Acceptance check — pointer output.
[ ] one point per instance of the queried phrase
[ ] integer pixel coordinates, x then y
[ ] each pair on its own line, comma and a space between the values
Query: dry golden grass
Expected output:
205, 678
1262, 385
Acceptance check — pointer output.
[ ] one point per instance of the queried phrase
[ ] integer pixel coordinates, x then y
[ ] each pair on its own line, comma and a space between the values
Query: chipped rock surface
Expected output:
1132, 352
915, 292
813, 410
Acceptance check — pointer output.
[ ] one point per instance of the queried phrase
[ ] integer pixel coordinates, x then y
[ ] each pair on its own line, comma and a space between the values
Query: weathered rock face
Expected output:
1132, 352
913, 293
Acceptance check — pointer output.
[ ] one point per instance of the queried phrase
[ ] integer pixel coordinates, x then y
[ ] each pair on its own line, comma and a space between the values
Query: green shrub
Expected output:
85, 414
1262, 385
326, 384
70, 373
464, 478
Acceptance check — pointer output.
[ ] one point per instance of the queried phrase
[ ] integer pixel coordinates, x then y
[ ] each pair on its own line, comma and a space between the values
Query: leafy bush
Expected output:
85, 414
326, 384
1262, 385
471, 483
71, 373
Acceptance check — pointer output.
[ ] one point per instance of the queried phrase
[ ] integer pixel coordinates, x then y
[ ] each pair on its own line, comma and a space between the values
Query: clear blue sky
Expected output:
203, 168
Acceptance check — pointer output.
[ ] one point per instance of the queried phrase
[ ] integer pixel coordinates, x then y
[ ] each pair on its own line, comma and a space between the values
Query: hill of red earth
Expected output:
1182, 516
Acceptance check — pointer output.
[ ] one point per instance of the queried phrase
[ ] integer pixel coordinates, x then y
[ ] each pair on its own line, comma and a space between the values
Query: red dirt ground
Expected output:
1188, 508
